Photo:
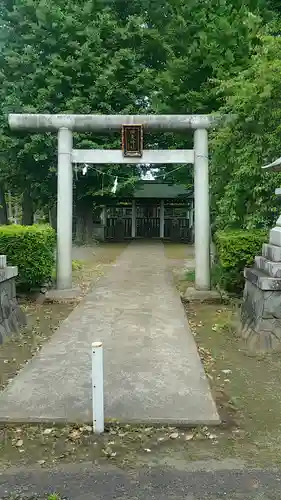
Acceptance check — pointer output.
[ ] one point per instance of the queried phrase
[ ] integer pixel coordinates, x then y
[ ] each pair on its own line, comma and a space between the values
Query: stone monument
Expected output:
261, 307
12, 318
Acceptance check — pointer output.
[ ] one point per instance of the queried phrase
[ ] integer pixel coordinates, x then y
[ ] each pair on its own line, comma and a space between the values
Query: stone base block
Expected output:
275, 236
271, 252
273, 269
55, 295
12, 318
261, 280
261, 318
192, 295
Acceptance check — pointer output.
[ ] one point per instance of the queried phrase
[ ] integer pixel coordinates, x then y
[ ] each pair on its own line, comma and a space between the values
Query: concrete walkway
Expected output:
152, 369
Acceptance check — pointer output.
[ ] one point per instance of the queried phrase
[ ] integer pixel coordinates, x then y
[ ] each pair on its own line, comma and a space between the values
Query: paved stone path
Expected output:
152, 369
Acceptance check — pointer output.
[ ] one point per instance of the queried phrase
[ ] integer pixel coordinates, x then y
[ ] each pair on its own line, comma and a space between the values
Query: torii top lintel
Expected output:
83, 123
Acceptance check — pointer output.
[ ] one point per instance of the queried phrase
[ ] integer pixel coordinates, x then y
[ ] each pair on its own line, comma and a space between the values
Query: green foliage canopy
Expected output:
242, 193
114, 56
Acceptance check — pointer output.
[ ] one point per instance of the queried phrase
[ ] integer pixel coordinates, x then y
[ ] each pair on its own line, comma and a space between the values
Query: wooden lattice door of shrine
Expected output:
148, 221
119, 223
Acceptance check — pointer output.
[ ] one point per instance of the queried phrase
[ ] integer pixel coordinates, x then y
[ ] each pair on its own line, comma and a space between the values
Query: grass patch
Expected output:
77, 265
178, 251
190, 276
246, 387
183, 279
122, 445
17, 350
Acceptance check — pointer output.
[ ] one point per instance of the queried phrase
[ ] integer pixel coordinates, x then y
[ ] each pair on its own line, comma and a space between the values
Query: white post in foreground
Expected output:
97, 387
202, 210
64, 210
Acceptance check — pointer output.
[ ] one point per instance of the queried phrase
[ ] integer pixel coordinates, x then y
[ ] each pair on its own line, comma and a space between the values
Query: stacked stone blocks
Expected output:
12, 317
261, 307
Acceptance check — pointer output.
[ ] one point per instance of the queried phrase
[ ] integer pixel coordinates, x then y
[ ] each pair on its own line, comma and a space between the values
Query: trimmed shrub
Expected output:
31, 248
236, 250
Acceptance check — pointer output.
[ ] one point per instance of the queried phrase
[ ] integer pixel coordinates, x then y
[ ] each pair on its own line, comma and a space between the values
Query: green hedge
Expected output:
236, 250
31, 248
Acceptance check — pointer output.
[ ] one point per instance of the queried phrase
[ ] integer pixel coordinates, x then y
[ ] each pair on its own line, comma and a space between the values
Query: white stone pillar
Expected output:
162, 218
202, 210
133, 218
64, 210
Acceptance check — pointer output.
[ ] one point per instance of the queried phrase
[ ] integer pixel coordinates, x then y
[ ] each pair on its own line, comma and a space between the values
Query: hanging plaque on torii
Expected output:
132, 141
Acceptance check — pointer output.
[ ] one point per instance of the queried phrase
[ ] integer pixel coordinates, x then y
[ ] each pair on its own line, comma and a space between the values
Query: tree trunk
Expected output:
10, 207
27, 209
84, 230
53, 216
3, 207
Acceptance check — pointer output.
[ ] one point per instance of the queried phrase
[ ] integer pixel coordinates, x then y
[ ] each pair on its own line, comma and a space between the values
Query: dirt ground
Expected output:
246, 389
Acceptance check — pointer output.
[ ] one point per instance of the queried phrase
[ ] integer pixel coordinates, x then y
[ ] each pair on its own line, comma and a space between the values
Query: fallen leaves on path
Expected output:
47, 431
108, 452
74, 434
174, 435
46, 446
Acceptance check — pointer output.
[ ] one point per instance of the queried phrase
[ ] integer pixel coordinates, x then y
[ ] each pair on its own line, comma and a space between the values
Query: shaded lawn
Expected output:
246, 387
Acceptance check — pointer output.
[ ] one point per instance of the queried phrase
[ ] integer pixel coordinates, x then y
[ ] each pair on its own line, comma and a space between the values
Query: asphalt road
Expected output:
85, 481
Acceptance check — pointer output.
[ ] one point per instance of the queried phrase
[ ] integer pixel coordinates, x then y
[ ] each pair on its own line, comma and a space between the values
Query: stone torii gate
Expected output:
65, 124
